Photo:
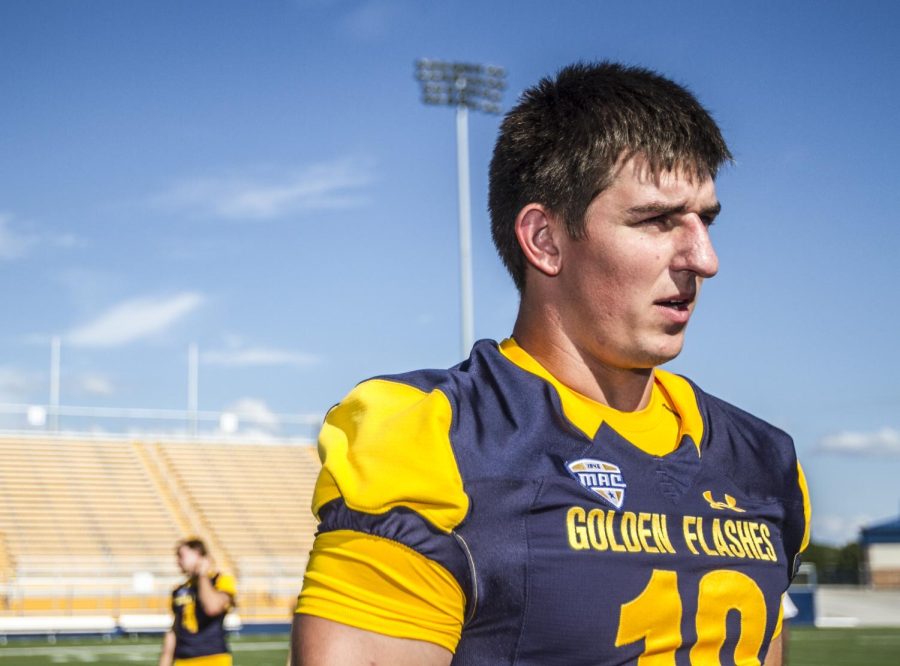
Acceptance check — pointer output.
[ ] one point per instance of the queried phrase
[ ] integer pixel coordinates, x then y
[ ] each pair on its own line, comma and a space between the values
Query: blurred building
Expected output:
880, 546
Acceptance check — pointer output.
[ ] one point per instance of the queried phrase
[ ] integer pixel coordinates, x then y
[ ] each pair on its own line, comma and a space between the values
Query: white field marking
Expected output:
85, 654
838, 622
884, 639
92, 658
138, 652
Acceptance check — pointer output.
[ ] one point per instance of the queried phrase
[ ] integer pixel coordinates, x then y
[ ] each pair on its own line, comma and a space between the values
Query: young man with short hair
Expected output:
200, 603
557, 498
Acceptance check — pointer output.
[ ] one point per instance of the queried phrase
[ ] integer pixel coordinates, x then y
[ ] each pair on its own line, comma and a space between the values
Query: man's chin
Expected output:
665, 353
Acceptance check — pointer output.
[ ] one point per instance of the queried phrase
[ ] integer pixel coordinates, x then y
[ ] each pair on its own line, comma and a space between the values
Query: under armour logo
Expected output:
729, 503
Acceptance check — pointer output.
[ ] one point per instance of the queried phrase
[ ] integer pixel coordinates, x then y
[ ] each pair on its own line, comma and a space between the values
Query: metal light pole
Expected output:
193, 387
55, 345
465, 86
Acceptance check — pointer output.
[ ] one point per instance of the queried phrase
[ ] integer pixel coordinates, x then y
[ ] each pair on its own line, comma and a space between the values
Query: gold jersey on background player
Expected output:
556, 498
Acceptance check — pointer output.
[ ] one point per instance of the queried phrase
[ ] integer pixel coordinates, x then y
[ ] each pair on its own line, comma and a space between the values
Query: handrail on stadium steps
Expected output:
265, 427
95, 624
255, 438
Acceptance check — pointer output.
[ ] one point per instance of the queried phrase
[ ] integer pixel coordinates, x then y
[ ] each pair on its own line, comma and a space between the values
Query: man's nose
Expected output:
697, 253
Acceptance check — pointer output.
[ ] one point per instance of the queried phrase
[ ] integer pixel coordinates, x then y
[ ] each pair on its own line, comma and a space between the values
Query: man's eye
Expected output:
659, 220
708, 220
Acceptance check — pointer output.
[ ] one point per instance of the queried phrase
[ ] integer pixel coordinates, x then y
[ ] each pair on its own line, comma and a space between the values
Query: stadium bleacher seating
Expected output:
88, 526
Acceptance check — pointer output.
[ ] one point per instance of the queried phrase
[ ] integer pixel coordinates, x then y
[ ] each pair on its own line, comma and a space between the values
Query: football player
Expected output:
200, 603
557, 498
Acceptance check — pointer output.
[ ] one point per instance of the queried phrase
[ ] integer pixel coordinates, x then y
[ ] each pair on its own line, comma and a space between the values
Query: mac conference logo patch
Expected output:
600, 477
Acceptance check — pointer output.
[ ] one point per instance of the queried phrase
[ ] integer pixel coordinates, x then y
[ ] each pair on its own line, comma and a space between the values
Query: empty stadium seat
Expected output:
79, 518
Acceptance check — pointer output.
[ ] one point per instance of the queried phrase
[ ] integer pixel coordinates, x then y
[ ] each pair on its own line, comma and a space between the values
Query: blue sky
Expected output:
261, 179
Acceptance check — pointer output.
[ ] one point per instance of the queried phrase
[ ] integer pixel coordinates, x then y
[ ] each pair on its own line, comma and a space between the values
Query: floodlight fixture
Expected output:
229, 423
464, 86
37, 416
460, 84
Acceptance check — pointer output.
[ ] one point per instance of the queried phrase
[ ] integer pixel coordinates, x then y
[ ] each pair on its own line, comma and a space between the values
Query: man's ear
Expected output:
537, 230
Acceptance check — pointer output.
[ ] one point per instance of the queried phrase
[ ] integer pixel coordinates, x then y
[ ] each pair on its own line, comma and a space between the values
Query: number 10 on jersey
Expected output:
655, 616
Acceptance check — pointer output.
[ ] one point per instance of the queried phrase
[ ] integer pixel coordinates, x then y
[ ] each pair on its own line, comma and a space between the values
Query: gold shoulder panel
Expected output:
226, 583
382, 586
387, 445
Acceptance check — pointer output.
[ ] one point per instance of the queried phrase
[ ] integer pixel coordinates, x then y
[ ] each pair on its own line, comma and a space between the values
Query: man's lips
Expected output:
678, 302
677, 309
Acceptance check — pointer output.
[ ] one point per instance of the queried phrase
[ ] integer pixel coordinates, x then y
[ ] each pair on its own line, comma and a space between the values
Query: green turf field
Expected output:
248, 651
809, 647
844, 647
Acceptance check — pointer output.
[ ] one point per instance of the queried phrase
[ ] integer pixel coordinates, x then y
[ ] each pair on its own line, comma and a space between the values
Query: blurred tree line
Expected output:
835, 564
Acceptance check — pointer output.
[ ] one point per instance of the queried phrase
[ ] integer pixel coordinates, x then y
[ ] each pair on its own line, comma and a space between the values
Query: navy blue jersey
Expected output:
196, 633
569, 545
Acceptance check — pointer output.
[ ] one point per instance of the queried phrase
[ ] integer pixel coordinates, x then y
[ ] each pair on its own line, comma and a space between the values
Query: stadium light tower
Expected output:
465, 86
55, 345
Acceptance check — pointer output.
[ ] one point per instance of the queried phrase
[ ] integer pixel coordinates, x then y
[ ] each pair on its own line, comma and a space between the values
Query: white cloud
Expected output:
95, 385
880, 442
265, 196
838, 530
255, 411
372, 21
255, 356
317, 3
17, 386
16, 243
87, 285
12, 244
134, 319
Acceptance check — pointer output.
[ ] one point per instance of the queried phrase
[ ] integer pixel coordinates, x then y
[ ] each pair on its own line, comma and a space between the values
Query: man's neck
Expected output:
627, 390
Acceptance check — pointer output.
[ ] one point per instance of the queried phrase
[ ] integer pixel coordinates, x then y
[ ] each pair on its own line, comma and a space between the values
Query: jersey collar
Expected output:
587, 415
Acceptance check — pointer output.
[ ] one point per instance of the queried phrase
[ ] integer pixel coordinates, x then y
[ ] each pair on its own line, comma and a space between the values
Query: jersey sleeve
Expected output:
227, 584
388, 498
800, 519
807, 506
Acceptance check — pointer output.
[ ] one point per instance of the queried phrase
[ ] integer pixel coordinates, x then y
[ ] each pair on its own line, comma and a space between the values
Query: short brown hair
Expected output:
561, 144
193, 543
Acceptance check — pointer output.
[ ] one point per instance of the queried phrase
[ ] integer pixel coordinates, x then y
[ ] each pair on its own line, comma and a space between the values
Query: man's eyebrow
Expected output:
712, 211
662, 208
